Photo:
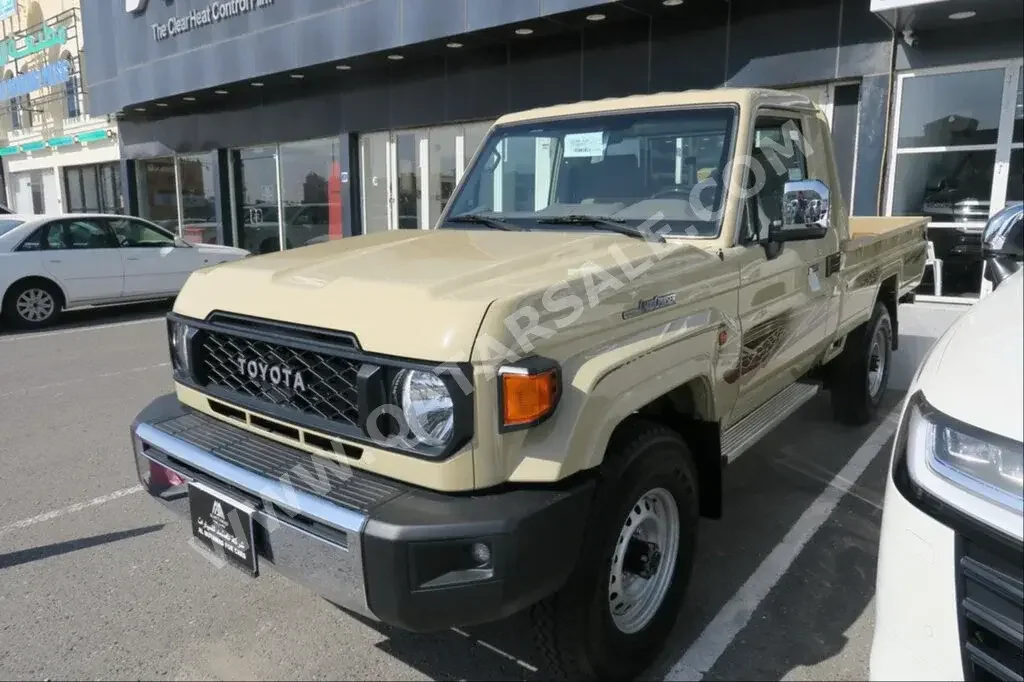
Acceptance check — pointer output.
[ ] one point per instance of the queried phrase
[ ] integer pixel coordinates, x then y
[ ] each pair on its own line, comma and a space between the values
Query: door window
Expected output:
137, 234
87, 234
778, 156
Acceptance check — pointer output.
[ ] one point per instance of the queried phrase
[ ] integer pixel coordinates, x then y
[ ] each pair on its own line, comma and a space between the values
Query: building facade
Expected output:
269, 124
56, 157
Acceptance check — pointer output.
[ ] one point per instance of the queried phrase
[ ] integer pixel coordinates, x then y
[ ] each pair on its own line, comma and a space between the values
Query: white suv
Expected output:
949, 602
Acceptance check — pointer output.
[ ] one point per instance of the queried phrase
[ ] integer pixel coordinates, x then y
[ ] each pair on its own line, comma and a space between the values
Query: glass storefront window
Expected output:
158, 200
93, 189
952, 144
374, 184
311, 191
257, 188
949, 109
407, 177
407, 154
197, 176
443, 168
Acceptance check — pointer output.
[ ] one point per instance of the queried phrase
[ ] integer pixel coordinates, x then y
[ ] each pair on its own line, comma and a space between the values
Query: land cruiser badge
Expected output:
649, 305
280, 376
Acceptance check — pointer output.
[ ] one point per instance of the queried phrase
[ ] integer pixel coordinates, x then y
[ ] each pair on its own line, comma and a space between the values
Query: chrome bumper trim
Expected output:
269, 490
331, 570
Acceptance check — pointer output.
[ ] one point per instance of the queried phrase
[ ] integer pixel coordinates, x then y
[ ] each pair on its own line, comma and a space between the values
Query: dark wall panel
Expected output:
844, 135
680, 61
548, 72
870, 143
418, 97
616, 60
772, 47
865, 40
476, 86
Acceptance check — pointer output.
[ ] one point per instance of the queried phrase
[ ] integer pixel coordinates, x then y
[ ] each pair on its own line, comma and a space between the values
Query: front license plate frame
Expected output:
224, 526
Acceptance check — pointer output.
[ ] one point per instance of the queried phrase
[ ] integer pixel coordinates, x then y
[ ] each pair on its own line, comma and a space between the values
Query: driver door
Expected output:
786, 289
155, 262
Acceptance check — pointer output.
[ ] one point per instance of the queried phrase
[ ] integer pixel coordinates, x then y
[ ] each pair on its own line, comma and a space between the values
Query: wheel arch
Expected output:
41, 279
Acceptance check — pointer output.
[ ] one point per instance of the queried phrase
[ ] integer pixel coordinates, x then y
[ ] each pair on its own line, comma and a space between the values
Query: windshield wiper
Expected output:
602, 223
477, 219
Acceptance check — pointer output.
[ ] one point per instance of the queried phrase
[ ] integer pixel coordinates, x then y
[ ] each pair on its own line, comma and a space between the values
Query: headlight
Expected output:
180, 335
427, 406
983, 464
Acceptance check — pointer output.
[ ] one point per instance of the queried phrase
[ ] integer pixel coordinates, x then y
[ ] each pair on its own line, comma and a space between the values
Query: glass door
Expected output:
258, 185
409, 179
956, 158
408, 176
375, 182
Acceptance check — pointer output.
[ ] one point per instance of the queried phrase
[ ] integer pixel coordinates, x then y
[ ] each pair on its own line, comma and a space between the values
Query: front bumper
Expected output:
948, 598
398, 554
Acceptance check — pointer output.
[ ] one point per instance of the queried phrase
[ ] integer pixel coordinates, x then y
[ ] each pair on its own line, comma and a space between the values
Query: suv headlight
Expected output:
983, 464
427, 406
180, 337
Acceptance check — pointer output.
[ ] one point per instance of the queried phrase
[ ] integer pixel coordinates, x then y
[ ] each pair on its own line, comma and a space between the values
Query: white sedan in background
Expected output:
51, 263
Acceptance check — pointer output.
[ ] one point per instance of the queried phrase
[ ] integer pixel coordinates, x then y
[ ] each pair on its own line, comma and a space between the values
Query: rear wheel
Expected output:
32, 304
616, 610
860, 375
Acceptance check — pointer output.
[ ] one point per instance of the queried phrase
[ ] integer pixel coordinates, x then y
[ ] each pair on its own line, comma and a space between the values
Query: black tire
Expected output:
574, 629
855, 396
14, 317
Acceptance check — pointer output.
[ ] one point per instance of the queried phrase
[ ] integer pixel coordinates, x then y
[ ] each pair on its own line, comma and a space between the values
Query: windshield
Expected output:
626, 167
8, 225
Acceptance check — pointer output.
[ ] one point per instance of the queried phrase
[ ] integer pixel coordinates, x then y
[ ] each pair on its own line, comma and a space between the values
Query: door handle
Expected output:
131, 258
54, 260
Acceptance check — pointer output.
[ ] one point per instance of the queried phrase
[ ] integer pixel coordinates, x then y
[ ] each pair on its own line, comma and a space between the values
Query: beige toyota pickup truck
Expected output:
530, 406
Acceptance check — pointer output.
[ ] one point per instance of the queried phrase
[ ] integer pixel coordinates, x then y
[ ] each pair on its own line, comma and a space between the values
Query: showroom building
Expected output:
56, 157
265, 123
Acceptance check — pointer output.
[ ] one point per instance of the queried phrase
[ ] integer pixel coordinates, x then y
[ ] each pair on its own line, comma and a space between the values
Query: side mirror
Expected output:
805, 212
1002, 243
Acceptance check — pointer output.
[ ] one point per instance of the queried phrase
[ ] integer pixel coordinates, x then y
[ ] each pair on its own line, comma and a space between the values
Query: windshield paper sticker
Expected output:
584, 144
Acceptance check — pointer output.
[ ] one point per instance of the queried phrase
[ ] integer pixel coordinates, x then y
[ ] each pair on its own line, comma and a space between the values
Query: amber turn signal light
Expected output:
527, 397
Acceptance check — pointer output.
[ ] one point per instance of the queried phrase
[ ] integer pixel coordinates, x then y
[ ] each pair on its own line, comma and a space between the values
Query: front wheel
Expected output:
619, 605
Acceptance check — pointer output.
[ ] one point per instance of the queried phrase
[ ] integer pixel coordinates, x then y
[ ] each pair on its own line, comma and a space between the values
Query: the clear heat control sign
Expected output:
219, 10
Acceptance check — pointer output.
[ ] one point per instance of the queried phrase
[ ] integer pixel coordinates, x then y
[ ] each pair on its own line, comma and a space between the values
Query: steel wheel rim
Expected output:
35, 305
876, 362
652, 524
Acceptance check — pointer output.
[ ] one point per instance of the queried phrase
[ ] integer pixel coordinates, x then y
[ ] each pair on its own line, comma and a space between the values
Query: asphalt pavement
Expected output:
97, 581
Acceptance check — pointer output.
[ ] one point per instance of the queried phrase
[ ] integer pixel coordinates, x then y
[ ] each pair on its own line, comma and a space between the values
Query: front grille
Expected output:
991, 600
290, 378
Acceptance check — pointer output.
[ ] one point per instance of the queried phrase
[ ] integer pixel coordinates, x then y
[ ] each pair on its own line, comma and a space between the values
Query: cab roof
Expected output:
743, 97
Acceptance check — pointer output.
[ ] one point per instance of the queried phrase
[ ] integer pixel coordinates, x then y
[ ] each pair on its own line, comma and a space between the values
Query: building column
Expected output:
129, 188
871, 133
222, 203
350, 208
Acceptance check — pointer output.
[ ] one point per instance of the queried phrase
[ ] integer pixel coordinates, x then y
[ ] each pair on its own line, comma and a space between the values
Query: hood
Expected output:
414, 294
975, 373
220, 249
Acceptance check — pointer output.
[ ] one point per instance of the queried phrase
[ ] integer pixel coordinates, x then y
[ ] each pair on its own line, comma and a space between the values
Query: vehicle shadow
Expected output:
767, 490
89, 317
24, 556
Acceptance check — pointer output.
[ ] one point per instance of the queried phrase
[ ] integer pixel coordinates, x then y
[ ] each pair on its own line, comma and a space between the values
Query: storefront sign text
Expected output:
216, 11
22, 84
47, 36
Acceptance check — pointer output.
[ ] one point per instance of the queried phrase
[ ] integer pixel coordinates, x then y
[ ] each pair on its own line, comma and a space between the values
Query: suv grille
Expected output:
312, 383
992, 611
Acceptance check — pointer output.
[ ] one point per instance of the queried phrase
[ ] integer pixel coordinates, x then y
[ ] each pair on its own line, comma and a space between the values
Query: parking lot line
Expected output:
57, 513
734, 616
31, 336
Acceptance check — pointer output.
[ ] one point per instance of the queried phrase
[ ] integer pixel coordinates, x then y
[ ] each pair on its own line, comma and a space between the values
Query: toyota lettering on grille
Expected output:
280, 376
